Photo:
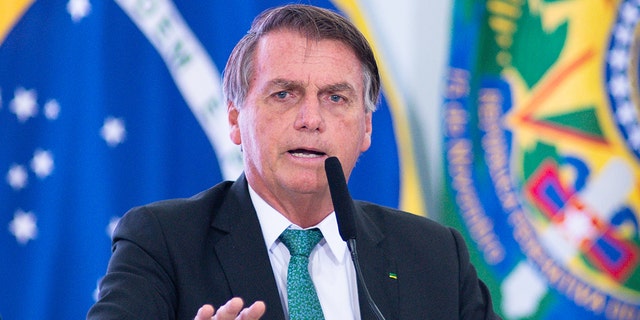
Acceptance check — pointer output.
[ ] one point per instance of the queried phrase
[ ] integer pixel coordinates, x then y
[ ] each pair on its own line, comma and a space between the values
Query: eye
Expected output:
281, 94
336, 98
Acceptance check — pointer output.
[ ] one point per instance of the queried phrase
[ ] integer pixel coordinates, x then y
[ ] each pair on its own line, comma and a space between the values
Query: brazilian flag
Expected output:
110, 104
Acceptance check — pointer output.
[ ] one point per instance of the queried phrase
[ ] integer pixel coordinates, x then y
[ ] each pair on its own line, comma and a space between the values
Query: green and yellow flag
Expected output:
106, 105
542, 153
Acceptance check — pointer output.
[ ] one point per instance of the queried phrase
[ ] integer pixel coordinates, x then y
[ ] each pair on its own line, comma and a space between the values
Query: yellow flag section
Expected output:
411, 195
10, 13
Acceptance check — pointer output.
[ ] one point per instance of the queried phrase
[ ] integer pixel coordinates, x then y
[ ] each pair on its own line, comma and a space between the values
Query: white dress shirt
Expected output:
330, 264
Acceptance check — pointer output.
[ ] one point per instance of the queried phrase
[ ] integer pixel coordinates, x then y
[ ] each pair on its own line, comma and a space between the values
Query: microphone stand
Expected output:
345, 216
351, 244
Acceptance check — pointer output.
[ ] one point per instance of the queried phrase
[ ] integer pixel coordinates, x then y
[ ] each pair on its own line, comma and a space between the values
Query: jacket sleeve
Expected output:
475, 300
138, 283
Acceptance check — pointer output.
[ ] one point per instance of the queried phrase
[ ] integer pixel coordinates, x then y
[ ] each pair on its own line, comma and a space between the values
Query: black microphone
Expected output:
342, 203
345, 215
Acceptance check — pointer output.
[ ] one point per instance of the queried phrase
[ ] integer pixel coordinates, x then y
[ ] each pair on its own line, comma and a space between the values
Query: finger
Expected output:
254, 312
205, 312
229, 310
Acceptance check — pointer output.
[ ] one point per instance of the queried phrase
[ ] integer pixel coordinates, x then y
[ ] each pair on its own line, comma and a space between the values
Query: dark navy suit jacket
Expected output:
171, 257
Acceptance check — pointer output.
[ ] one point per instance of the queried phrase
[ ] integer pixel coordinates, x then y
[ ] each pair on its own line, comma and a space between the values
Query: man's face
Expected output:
304, 104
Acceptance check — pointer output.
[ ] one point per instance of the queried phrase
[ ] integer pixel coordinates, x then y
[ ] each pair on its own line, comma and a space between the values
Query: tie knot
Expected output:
301, 242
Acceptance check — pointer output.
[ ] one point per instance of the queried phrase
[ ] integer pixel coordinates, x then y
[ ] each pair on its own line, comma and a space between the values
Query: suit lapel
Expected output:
242, 251
378, 268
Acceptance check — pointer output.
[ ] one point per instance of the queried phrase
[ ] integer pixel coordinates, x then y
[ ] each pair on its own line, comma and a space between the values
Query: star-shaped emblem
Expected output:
17, 177
78, 9
113, 131
51, 109
23, 226
42, 163
24, 104
619, 59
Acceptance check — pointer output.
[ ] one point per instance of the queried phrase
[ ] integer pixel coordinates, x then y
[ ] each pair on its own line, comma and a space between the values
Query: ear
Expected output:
232, 115
366, 142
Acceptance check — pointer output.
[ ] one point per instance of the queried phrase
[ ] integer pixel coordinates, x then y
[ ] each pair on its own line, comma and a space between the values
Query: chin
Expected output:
306, 185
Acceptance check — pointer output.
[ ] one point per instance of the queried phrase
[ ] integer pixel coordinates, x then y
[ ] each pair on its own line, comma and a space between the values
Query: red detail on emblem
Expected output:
580, 226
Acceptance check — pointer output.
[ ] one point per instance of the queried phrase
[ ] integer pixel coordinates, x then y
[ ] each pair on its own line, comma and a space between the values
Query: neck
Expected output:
304, 210
304, 213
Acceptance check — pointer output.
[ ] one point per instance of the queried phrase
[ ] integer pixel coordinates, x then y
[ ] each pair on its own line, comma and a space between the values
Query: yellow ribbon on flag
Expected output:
10, 13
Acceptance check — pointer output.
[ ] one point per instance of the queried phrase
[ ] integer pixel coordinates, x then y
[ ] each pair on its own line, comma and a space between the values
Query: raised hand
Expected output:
232, 310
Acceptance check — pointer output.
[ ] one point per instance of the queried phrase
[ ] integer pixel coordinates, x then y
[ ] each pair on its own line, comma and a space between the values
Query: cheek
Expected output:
360, 135
254, 129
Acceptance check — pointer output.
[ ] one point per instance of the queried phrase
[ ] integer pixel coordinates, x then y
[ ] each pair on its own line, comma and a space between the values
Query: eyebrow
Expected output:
342, 86
299, 85
283, 83
338, 87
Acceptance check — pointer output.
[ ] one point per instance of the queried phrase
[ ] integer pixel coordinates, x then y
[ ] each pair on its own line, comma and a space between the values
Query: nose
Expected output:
309, 116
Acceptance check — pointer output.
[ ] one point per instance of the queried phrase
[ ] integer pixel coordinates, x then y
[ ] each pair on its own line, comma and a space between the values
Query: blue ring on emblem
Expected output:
621, 78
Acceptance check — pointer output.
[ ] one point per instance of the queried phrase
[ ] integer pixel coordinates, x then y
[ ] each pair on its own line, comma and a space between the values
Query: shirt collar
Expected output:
273, 223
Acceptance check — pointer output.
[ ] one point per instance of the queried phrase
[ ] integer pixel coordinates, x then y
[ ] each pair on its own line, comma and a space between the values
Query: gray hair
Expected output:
315, 24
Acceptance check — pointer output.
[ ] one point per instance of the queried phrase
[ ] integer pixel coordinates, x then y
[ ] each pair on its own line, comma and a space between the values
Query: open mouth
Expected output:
305, 153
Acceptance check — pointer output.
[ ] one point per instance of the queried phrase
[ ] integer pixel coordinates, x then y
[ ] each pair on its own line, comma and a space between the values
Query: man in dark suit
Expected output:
301, 86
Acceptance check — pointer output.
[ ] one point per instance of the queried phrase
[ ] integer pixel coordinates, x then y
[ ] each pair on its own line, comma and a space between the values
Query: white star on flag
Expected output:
113, 131
42, 163
24, 104
78, 9
17, 177
23, 226
51, 109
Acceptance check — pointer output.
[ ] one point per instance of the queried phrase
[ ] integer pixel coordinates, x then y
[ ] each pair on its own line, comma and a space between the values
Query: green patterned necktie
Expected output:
301, 294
